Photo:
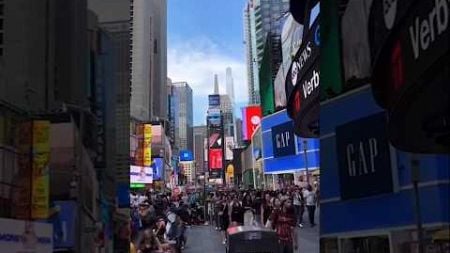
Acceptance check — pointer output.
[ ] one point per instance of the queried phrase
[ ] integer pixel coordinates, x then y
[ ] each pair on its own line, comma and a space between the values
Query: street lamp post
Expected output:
305, 147
415, 167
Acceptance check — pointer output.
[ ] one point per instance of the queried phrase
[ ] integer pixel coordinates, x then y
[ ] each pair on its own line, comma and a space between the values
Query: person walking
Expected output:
299, 206
285, 227
310, 197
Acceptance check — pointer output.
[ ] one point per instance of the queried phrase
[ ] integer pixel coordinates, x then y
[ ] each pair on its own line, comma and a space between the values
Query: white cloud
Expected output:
197, 60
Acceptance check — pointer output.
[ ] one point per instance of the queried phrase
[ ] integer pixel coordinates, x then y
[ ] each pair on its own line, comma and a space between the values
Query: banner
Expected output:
25, 236
363, 155
64, 224
147, 146
251, 118
40, 176
229, 145
303, 85
283, 140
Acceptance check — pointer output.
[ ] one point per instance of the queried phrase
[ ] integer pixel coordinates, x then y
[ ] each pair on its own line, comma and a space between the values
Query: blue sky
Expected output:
204, 37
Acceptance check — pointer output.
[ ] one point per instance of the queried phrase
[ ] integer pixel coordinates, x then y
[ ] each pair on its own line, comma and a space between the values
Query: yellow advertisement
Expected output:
230, 173
147, 145
40, 175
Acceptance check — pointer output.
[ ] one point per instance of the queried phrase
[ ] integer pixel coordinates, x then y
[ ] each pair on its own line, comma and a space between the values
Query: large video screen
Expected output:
141, 174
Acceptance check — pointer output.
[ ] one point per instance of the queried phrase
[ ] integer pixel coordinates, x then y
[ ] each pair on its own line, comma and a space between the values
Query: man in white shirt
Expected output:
310, 197
299, 206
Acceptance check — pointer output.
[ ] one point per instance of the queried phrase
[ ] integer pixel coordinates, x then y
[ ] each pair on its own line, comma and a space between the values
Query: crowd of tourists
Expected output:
159, 221
280, 210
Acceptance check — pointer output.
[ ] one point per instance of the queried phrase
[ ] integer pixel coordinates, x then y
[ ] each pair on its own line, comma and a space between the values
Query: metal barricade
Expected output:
252, 239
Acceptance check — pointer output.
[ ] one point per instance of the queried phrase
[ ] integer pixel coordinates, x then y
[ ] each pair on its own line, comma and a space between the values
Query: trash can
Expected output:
252, 239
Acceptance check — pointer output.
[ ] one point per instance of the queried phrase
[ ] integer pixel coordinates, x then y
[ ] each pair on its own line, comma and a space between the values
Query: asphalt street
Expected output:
204, 239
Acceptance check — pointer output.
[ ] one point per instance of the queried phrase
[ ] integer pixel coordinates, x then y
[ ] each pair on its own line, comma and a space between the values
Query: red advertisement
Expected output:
251, 120
215, 159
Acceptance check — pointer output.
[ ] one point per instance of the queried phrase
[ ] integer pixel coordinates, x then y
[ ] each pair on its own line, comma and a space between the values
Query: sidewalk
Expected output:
308, 237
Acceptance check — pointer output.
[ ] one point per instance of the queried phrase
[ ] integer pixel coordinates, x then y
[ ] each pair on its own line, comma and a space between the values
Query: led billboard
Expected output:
214, 100
229, 145
141, 174
215, 159
251, 116
214, 117
158, 168
186, 155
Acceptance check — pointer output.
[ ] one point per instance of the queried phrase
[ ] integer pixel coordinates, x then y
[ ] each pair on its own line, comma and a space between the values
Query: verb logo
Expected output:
389, 11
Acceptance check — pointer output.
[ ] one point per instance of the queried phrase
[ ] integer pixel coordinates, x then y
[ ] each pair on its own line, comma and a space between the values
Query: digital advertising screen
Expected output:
215, 159
186, 155
251, 119
141, 174
158, 168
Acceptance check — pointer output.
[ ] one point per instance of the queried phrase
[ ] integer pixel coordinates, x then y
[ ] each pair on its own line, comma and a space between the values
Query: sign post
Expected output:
305, 148
415, 177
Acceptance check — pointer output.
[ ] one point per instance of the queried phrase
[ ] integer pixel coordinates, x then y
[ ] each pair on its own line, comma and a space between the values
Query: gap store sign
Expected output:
283, 151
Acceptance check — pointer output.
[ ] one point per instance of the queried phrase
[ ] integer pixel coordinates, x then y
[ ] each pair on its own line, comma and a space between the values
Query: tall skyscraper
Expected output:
141, 59
183, 117
230, 84
148, 64
114, 18
259, 16
238, 132
226, 107
216, 84
199, 149
158, 19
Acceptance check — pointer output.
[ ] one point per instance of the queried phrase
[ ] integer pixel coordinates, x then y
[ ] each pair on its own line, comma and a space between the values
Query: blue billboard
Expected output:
186, 155
64, 224
283, 152
158, 168
283, 139
214, 100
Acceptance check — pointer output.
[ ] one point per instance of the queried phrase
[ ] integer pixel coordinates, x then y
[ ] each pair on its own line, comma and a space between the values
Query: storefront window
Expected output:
436, 240
371, 244
329, 245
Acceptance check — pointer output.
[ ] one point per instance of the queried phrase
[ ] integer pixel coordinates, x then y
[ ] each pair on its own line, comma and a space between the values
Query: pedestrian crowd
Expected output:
158, 221
280, 210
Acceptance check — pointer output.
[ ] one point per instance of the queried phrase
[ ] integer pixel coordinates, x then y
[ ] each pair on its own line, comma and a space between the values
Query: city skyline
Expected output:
195, 53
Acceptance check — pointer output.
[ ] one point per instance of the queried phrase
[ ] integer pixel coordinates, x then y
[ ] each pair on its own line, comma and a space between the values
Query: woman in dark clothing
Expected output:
266, 209
236, 213
257, 207
285, 226
225, 218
